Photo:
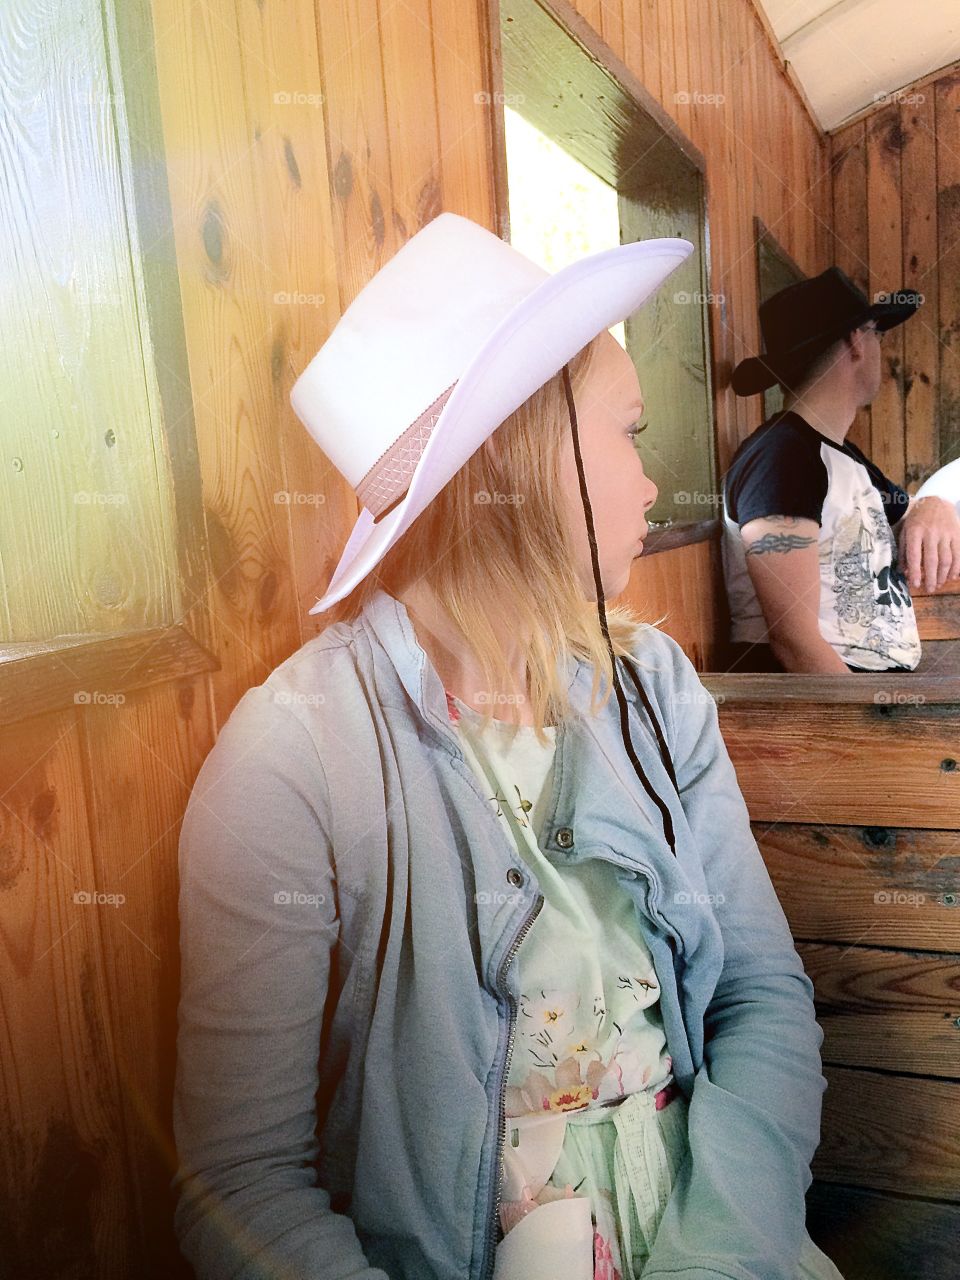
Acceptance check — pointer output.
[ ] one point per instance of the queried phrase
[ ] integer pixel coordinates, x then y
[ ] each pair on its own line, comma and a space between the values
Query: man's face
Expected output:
609, 404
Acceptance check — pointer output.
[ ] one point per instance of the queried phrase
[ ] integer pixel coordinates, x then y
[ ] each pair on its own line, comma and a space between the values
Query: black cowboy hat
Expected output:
802, 321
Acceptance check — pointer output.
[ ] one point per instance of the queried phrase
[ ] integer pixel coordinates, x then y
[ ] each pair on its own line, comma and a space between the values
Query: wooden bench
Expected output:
853, 787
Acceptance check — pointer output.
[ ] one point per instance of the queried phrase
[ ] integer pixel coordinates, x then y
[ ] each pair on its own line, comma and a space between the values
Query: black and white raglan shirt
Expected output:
788, 468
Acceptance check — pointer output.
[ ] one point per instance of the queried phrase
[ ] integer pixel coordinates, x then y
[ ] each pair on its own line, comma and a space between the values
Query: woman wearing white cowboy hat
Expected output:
482, 972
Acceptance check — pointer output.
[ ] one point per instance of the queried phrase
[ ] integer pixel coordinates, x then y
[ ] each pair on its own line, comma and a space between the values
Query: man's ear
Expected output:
855, 340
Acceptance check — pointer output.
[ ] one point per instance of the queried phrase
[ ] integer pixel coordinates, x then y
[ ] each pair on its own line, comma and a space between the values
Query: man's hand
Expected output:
929, 541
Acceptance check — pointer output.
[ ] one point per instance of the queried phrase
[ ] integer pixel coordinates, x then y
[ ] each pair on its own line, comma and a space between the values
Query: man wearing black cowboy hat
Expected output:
810, 560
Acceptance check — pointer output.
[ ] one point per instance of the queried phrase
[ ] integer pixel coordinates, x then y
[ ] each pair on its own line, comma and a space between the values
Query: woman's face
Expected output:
609, 405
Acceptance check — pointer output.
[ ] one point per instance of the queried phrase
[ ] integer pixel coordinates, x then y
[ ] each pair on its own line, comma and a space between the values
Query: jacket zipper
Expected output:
502, 1133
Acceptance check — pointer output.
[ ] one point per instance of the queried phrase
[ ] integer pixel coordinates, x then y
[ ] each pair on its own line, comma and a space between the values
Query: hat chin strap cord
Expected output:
665, 814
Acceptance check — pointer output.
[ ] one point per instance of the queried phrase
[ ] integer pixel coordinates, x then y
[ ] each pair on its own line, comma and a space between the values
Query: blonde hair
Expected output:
469, 552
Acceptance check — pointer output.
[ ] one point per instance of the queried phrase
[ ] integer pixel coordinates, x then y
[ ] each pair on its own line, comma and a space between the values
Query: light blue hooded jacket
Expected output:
349, 908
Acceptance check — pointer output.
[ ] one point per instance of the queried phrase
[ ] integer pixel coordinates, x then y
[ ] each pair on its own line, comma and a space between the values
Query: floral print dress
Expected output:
588, 1031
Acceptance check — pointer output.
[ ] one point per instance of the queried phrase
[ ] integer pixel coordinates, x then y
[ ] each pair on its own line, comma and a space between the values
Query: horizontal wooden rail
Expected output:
890, 1133
887, 763
881, 886
938, 612
886, 1010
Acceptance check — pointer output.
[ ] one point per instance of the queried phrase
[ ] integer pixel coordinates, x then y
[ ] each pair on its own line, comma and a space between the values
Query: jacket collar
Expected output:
390, 623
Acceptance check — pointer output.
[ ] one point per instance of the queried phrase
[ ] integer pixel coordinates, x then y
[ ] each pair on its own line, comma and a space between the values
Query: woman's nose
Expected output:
652, 492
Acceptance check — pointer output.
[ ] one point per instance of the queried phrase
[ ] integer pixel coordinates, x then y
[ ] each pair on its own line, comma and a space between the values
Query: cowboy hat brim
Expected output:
759, 373
530, 345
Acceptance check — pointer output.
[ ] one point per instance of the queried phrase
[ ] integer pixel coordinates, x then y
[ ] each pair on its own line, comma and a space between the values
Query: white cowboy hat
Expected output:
450, 337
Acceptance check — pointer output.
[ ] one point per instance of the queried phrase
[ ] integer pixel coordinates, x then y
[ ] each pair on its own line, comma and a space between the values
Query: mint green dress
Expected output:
590, 1058
588, 1036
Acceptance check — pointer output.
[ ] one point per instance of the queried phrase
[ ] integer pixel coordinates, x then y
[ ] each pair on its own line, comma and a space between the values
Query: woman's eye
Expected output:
636, 429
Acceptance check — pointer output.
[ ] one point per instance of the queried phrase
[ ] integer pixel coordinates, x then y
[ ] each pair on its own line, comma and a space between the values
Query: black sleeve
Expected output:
895, 499
781, 475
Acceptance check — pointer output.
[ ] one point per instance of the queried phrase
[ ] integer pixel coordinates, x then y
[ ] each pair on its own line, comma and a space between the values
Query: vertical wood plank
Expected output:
685, 89
652, 47
68, 1176
746, 334
948, 251
591, 10
220, 253
146, 750
716, 142
850, 244
355, 120
697, 70
920, 271
413, 138
633, 39
464, 76
284, 97
611, 25
885, 240
667, 62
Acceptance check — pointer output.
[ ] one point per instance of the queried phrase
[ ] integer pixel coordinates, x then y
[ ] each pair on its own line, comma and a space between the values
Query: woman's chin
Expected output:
620, 583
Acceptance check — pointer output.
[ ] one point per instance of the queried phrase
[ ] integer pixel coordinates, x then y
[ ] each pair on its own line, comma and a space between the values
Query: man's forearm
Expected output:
807, 653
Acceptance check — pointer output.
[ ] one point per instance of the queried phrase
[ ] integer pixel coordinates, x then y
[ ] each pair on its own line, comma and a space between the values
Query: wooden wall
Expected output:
896, 223
302, 145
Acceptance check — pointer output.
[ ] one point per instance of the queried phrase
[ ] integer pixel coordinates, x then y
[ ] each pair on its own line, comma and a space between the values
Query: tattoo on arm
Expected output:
772, 542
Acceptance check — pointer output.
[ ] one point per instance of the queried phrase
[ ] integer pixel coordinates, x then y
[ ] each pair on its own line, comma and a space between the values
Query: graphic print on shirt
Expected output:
524, 806
860, 567
572, 1056
599, 1036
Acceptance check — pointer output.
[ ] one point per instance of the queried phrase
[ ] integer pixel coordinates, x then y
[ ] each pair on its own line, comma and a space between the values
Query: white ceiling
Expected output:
848, 54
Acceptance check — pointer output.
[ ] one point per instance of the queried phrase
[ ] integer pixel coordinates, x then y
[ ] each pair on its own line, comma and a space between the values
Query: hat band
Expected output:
388, 479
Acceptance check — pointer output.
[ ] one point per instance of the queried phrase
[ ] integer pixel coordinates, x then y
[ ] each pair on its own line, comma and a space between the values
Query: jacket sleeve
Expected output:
737, 1208
257, 923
